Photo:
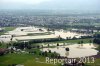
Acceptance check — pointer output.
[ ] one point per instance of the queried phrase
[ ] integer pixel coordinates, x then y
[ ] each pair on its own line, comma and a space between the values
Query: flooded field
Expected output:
22, 33
75, 50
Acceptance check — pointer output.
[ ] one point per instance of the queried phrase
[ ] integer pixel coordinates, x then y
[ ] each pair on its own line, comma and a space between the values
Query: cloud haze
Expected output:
16, 2
51, 4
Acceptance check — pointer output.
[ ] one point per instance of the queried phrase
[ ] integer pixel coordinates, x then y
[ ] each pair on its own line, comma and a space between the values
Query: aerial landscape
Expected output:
49, 33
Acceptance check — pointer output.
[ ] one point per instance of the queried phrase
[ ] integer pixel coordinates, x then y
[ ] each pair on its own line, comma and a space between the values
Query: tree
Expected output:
67, 38
74, 38
38, 46
90, 41
81, 42
57, 44
0, 43
96, 40
98, 48
12, 51
45, 53
11, 39
49, 51
67, 49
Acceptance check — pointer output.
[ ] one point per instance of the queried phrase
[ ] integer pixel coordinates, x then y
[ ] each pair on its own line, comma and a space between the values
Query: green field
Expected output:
30, 60
24, 59
96, 63
3, 45
7, 29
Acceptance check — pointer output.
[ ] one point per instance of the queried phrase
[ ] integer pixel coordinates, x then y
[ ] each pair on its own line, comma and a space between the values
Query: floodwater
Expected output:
23, 35
75, 50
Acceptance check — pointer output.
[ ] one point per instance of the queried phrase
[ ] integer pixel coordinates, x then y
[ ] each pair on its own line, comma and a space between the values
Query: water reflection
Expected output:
67, 53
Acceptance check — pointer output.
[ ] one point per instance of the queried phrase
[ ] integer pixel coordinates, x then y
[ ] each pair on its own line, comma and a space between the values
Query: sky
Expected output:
19, 4
51, 4
23, 2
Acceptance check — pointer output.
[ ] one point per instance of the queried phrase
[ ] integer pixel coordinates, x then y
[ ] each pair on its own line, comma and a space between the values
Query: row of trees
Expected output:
97, 41
96, 38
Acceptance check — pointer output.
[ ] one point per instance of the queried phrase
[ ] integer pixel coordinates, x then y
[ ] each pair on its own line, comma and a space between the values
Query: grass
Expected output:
3, 45
24, 59
97, 32
1, 33
30, 60
96, 63
7, 29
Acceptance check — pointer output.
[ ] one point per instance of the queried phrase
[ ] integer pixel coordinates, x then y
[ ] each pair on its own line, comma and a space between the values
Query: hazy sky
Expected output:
21, 2
51, 4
